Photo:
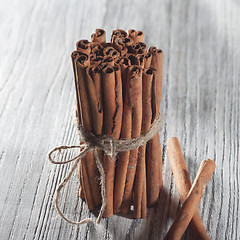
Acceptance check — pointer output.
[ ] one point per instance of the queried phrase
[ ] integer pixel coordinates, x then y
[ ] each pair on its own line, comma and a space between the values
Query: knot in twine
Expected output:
111, 147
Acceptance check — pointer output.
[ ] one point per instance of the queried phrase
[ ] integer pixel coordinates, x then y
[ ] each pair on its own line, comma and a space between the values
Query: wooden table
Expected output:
200, 105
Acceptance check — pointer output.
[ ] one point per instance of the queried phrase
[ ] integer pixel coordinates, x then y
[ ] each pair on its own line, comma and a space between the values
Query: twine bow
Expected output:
110, 146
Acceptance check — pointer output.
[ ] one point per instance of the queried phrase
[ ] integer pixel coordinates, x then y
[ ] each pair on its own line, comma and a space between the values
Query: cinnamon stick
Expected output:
99, 36
140, 204
148, 57
83, 46
135, 89
190, 205
154, 154
137, 36
118, 33
110, 52
121, 168
94, 89
183, 183
139, 48
89, 167
79, 175
74, 56
112, 88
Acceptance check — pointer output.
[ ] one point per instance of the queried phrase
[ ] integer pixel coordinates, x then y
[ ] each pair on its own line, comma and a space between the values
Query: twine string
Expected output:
110, 146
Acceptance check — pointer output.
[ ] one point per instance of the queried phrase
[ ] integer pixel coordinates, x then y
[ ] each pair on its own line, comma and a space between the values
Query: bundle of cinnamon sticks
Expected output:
118, 93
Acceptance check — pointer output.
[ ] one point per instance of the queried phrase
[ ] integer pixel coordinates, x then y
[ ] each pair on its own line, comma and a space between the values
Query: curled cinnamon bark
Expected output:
79, 175
135, 100
137, 36
133, 59
112, 88
89, 168
99, 36
124, 63
183, 183
121, 168
148, 57
190, 205
140, 203
122, 44
157, 58
94, 89
141, 58
108, 62
139, 48
96, 48
111, 52
154, 154
95, 59
119, 33
83, 46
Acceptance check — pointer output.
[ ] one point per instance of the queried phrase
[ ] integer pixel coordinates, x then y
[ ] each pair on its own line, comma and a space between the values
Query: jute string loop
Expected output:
111, 147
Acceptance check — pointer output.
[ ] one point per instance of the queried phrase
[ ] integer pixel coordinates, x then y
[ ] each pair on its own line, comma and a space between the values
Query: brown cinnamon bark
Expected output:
190, 205
74, 56
94, 85
137, 36
112, 88
133, 59
99, 36
124, 63
142, 60
154, 154
81, 189
135, 95
96, 48
121, 45
119, 33
83, 46
89, 167
111, 52
183, 183
140, 204
121, 168
108, 61
138, 48
148, 57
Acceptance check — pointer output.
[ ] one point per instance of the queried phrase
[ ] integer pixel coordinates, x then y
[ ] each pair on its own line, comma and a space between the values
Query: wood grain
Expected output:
200, 105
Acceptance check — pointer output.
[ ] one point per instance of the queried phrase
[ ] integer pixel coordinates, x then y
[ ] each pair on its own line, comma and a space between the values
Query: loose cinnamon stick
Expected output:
139, 202
89, 167
183, 183
190, 205
99, 36
154, 154
112, 88
135, 88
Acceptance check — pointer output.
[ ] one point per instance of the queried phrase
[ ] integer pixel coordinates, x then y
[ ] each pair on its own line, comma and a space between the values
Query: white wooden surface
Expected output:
200, 105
